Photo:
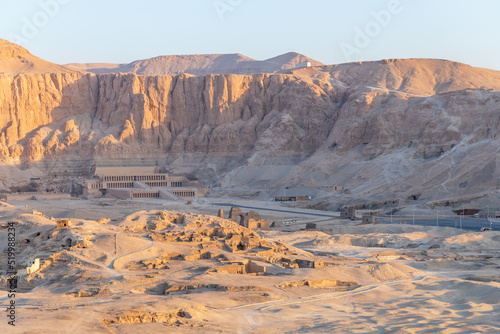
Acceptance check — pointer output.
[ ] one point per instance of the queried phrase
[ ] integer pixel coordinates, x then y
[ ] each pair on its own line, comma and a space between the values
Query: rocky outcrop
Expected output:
118, 116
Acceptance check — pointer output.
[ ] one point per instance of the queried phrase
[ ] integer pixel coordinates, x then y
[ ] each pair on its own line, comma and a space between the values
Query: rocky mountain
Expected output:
387, 130
199, 65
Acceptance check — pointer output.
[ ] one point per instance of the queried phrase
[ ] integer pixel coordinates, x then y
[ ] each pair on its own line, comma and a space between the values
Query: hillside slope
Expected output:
417, 76
15, 59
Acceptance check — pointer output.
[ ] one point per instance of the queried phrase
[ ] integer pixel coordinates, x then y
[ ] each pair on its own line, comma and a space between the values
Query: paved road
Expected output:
277, 210
471, 224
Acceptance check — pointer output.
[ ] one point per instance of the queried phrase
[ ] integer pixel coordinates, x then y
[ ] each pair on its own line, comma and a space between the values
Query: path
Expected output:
112, 263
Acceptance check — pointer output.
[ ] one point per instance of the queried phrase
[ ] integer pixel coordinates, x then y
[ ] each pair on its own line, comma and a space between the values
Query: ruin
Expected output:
300, 262
251, 220
320, 284
64, 223
311, 226
369, 219
234, 214
246, 267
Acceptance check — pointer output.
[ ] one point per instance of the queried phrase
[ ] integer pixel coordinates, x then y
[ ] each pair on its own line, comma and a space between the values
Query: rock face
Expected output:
117, 116
404, 127
200, 65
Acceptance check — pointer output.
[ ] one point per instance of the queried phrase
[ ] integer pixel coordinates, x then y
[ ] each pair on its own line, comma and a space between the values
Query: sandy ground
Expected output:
125, 274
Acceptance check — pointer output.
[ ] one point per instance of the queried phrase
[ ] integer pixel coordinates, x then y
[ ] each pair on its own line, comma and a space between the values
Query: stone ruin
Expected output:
245, 267
276, 224
251, 220
64, 223
235, 213
321, 284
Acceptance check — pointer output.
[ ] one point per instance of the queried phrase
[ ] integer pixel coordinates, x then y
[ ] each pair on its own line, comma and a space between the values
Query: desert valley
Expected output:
223, 194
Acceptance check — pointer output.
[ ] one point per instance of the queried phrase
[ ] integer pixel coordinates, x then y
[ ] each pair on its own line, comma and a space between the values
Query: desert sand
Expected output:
151, 266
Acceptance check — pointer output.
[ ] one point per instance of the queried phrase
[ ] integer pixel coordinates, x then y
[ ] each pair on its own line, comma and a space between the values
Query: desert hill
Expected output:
200, 65
419, 128
416, 76
15, 59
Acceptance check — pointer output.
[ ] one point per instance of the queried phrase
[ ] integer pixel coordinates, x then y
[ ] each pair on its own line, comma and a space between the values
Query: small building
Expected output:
33, 265
304, 65
466, 212
251, 220
488, 214
348, 212
369, 219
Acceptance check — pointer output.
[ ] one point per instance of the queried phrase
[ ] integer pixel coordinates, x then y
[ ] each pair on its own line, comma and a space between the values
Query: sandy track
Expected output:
118, 266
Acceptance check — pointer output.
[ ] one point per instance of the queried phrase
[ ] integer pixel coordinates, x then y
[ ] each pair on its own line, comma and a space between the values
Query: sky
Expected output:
333, 32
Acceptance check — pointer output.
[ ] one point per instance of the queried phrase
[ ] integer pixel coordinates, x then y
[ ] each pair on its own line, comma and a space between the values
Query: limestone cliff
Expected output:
118, 115
392, 126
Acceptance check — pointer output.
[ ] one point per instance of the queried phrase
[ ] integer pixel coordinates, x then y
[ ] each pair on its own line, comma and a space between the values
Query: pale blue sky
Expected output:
329, 31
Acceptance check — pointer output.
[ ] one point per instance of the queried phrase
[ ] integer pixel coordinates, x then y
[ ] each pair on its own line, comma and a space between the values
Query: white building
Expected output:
304, 65
33, 265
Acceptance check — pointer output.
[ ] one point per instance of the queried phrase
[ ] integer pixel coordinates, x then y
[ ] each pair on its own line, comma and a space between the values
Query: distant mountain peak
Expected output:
202, 64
